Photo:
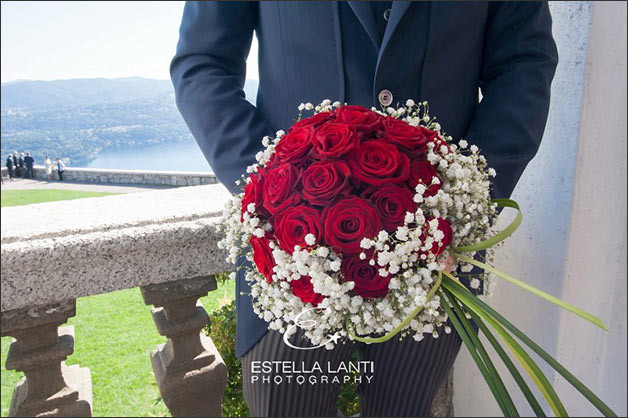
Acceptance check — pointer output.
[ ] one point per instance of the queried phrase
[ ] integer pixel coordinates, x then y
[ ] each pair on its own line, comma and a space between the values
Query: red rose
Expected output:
263, 256
410, 138
392, 203
279, 187
314, 121
444, 226
348, 221
294, 223
304, 289
253, 193
323, 181
295, 146
364, 120
422, 171
334, 140
368, 282
379, 162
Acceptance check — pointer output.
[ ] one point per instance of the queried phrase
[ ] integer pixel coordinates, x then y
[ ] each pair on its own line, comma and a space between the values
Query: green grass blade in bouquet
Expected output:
500, 236
525, 389
489, 377
524, 358
589, 317
500, 324
512, 409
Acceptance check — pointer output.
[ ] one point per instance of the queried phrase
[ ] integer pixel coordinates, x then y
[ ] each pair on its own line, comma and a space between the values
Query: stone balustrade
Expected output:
110, 176
53, 253
162, 241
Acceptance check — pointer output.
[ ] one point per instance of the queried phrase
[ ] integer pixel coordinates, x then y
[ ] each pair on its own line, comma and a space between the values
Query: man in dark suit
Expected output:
16, 164
28, 162
22, 165
10, 167
371, 54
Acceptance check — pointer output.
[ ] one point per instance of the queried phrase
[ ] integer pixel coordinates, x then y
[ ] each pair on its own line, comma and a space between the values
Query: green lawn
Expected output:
27, 197
115, 335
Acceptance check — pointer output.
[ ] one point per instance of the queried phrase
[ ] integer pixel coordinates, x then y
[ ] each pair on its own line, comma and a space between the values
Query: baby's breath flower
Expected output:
310, 239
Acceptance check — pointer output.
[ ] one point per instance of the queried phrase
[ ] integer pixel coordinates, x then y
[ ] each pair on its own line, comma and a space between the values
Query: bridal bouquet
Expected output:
356, 221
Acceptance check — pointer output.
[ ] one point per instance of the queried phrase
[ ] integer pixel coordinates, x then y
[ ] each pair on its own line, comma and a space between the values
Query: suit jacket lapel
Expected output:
339, 53
364, 12
397, 11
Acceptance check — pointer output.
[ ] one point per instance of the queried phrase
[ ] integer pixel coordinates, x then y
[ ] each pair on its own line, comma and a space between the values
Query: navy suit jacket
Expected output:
504, 49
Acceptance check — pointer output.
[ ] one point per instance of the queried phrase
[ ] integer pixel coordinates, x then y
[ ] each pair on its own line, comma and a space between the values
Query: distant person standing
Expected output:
16, 164
21, 164
48, 165
60, 168
29, 161
10, 167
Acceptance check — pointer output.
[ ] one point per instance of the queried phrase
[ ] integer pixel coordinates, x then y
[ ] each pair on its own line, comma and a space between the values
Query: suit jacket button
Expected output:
385, 97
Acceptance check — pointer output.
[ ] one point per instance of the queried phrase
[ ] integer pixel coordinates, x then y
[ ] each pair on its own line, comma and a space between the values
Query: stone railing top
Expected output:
63, 250
156, 172
121, 171
63, 218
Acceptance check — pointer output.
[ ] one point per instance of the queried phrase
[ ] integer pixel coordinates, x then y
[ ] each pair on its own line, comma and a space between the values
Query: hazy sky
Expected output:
59, 40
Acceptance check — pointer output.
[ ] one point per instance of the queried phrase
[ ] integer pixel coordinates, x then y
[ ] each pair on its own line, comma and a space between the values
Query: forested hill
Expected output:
76, 119
80, 92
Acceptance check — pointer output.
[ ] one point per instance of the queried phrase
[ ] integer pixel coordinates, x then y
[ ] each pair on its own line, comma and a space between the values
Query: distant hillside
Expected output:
88, 91
80, 92
79, 118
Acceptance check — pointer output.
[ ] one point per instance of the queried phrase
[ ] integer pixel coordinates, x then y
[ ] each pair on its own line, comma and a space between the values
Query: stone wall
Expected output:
572, 242
98, 175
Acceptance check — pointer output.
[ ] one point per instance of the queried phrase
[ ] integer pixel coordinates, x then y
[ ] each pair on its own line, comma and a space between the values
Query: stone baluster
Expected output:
50, 387
190, 373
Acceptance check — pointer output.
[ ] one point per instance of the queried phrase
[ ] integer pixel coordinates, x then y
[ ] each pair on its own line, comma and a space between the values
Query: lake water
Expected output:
185, 156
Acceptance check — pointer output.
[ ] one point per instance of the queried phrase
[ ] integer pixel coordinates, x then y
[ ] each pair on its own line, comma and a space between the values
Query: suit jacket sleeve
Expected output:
208, 74
519, 62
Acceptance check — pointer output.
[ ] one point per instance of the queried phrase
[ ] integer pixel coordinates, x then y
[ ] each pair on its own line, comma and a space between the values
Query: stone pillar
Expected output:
50, 388
190, 373
443, 405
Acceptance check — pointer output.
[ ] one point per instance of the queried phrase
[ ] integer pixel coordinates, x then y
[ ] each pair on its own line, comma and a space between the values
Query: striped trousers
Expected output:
405, 377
